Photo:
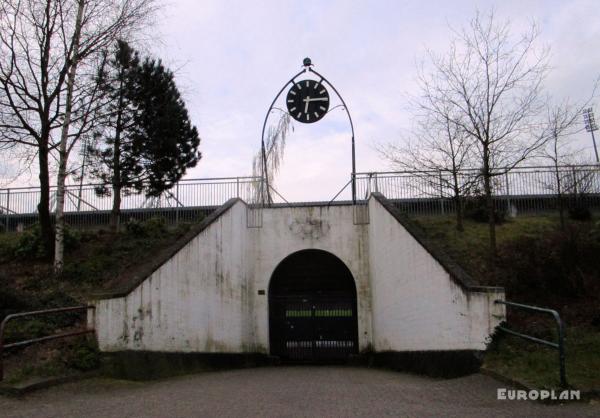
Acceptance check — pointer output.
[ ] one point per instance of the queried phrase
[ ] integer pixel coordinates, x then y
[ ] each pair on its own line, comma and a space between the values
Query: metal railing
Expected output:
532, 189
23, 343
86, 205
560, 345
520, 190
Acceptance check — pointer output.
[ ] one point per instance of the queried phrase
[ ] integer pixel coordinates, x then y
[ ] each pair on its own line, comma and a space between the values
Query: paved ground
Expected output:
282, 392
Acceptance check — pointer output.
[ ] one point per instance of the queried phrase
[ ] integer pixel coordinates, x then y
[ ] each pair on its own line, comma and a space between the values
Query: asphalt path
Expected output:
302, 391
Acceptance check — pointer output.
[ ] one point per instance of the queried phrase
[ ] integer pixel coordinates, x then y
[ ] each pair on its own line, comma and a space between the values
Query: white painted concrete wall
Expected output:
205, 299
416, 305
288, 230
197, 301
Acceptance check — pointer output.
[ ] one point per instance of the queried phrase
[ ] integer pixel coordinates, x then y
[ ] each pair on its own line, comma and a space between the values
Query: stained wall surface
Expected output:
212, 295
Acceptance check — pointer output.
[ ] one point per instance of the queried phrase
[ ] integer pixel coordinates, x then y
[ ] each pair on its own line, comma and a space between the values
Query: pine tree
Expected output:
148, 141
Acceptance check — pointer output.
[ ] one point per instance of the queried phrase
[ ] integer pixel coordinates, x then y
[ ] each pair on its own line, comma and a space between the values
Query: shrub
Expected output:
30, 243
561, 263
580, 213
153, 227
84, 356
476, 210
11, 301
24, 329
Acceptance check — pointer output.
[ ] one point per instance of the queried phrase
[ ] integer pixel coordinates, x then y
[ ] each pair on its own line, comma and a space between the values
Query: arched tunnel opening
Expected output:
312, 308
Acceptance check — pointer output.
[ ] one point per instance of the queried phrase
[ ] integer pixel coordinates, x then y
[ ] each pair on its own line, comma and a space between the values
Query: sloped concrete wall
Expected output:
196, 302
206, 298
417, 306
209, 296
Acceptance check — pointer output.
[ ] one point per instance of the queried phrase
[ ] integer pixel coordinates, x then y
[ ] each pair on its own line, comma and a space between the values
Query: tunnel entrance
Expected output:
312, 308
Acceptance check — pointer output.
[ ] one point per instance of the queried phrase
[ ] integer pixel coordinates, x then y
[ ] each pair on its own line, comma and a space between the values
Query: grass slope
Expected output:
94, 260
540, 265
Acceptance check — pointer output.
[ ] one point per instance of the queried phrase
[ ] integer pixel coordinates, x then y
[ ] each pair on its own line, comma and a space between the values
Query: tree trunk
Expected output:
459, 214
561, 201
43, 206
491, 210
489, 202
458, 201
63, 153
115, 214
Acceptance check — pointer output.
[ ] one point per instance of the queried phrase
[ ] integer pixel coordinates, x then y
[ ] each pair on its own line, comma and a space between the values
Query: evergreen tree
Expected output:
148, 141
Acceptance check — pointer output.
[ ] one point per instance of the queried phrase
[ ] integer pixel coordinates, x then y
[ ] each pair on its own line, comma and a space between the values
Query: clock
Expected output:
307, 101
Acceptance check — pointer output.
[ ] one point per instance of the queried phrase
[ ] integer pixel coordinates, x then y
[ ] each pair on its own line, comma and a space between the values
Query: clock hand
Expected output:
317, 99
306, 100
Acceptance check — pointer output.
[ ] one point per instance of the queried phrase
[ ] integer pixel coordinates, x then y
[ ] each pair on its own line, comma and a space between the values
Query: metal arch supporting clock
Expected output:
262, 140
307, 68
353, 179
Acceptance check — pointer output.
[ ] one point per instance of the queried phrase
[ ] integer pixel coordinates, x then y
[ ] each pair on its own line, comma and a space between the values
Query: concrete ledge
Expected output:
148, 365
431, 363
37, 383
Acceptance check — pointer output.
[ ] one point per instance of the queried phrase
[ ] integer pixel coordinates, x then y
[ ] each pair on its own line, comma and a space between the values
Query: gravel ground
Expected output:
282, 392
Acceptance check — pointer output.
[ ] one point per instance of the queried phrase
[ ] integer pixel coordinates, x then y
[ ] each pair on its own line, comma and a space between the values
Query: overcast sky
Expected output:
232, 57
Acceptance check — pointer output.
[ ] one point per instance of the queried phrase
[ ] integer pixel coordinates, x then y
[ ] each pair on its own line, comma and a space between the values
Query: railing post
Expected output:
561, 352
237, 183
441, 191
507, 193
2, 350
9, 317
560, 346
7, 211
177, 204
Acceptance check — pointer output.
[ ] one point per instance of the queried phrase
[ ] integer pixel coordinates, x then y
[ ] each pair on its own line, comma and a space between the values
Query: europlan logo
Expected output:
504, 394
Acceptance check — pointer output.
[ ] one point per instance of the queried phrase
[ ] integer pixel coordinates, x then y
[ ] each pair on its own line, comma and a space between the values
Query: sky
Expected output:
232, 57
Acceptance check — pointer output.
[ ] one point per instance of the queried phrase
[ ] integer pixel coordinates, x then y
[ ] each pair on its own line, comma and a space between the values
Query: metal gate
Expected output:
313, 328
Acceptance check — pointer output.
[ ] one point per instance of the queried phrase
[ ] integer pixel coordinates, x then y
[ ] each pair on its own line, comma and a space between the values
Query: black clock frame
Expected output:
307, 101
307, 64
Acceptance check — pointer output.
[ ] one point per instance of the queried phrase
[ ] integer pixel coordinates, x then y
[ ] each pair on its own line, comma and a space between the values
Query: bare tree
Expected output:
267, 165
97, 24
493, 82
436, 152
562, 120
37, 45
33, 68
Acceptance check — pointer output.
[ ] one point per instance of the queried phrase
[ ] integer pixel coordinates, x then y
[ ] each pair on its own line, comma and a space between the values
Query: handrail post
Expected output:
561, 335
40, 339
2, 349
561, 350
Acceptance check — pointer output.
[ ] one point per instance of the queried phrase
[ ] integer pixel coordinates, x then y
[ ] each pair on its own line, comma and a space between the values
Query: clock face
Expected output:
308, 101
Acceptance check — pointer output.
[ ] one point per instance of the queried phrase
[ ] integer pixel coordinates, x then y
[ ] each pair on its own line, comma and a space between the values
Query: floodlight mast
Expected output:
307, 67
590, 125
